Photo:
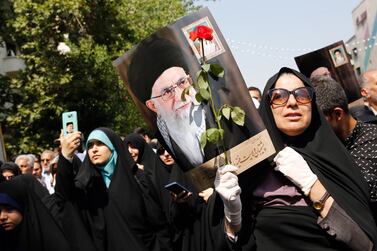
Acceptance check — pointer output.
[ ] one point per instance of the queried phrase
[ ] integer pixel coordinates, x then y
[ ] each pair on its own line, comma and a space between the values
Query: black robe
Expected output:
99, 218
292, 227
149, 180
194, 225
38, 230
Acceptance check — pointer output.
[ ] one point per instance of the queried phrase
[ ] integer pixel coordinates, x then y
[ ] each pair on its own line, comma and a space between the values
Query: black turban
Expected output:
152, 57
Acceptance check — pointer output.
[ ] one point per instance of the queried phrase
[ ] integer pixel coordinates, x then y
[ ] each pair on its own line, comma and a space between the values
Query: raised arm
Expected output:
226, 185
65, 174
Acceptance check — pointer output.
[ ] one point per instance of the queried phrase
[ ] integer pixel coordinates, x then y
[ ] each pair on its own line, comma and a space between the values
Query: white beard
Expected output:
185, 129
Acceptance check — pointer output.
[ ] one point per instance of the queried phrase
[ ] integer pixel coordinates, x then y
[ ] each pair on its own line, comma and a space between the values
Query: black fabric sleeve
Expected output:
339, 224
65, 185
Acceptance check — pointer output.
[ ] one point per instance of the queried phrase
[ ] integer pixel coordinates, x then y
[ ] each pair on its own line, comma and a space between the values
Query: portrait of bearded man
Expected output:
159, 69
180, 120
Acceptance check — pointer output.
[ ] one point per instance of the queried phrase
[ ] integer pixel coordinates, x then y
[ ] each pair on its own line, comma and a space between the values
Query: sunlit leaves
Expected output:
217, 70
185, 92
235, 113
204, 94
82, 80
238, 116
225, 111
212, 135
206, 67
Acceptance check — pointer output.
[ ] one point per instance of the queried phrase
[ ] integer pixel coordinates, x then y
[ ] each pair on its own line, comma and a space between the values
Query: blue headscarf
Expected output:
6, 199
107, 169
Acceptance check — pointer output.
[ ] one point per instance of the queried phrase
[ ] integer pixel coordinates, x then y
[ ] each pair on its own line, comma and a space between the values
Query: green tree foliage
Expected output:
97, 32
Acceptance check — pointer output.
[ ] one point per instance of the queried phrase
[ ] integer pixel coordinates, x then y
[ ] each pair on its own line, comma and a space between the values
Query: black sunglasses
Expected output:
280, 96
161, 150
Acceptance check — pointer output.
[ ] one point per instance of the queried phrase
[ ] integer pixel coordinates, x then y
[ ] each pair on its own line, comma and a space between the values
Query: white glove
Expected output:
226, 185
295, 168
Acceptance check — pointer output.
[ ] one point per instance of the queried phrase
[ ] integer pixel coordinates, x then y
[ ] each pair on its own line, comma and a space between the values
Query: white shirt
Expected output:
47, 179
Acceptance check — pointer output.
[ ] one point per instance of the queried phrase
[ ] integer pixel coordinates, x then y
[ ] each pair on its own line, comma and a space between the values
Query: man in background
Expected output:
359, 138
320, 71
368, 89
46, 157
255, 95
180, 122
25, 163
37, 170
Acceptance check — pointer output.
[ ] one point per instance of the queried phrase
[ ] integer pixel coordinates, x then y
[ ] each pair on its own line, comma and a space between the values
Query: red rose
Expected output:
204, 32
193, 35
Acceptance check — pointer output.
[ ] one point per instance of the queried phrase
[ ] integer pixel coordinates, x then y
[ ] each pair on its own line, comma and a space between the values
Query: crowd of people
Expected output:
318, 192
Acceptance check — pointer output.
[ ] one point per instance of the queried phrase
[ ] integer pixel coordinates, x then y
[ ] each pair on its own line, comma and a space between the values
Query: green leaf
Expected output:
203, 140
217, 70
185, 92
198, 73
213, 135
238, 116
225, 111
199, 97
205, 94
206, 67
203, 81
52, 83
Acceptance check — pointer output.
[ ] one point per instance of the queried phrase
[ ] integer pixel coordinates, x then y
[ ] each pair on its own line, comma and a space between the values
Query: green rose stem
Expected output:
203, 58
217, 117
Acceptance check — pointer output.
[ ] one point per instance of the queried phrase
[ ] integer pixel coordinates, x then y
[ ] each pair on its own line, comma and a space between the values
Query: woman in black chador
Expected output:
102, 206
25, 222
311, 196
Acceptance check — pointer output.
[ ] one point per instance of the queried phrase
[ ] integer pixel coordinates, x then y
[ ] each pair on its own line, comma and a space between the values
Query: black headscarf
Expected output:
326, 156
138, 142
10, 166
116, 218
37, 230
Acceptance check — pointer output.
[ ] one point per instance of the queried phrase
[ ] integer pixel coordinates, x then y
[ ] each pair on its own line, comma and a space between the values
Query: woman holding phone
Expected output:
103, 208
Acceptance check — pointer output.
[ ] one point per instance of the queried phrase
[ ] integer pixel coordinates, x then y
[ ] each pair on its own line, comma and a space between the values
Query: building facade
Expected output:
363, 45
9, 62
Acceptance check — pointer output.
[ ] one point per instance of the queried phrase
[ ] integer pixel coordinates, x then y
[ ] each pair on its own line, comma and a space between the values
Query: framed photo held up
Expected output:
156, 72
338, 55
334, 59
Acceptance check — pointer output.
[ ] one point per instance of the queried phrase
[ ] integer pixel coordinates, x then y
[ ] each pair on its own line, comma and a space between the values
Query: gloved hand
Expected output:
295, 168
226, 185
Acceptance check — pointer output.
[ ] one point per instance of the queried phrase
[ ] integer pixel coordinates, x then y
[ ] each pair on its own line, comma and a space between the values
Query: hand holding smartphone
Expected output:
176, 188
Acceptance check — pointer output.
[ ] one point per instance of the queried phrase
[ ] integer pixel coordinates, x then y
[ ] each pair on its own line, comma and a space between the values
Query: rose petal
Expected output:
193, 35
204, 32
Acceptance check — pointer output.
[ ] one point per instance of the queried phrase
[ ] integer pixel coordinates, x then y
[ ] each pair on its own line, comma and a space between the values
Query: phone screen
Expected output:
176, 188
69, 122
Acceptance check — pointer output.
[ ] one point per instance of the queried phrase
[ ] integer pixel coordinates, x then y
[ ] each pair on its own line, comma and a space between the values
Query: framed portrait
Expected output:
157, 71
338, 55
331, 57
212, 48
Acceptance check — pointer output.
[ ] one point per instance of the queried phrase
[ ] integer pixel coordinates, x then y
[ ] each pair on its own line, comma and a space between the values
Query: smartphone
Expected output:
69, 120
176, 188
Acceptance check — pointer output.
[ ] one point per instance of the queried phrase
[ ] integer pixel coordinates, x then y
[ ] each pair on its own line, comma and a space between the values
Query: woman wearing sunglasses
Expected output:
311, 196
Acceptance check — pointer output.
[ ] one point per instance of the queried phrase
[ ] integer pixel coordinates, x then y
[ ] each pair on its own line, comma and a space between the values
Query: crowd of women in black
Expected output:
308, 196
